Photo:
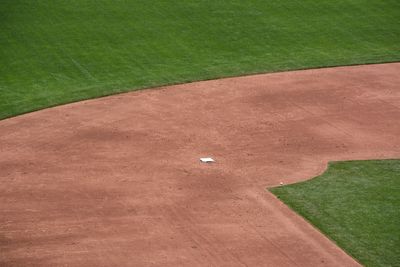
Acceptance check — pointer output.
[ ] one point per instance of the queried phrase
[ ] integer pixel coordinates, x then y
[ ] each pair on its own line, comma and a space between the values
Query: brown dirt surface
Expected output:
117, 181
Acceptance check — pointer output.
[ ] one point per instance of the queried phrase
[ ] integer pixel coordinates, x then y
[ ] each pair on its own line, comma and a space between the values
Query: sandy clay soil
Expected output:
117, 181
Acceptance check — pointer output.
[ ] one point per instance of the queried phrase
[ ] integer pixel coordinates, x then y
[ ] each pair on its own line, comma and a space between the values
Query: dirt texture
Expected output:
117, 181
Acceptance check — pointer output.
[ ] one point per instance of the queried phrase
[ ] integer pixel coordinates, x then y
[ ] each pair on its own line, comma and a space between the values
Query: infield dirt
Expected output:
117, 181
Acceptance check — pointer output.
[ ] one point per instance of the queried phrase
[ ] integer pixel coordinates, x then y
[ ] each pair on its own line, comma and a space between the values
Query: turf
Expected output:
355, 203
53, 52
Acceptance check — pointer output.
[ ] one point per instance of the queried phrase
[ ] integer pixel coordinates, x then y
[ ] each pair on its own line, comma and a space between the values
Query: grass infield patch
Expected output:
54, 52
356, 204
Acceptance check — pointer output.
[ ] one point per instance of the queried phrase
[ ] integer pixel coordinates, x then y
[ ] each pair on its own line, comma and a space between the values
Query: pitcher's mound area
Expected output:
117, 181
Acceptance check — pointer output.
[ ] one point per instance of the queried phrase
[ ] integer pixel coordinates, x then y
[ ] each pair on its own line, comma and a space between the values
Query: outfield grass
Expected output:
53, 52
357, 204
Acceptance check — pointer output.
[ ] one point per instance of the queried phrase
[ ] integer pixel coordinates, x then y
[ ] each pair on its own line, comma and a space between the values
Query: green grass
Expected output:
355, 203
54, 51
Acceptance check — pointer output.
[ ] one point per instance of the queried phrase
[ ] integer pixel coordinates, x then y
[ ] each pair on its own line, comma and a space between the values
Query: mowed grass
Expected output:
357, 204
54, 51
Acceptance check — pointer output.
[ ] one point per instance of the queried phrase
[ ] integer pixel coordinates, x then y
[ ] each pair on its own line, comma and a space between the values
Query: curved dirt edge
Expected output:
117, 180
132, 90
324, 166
